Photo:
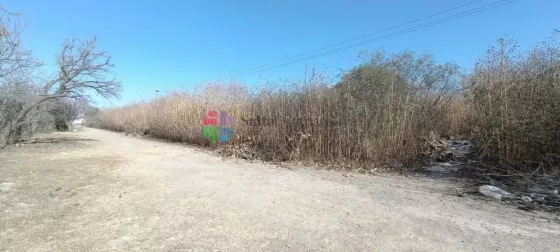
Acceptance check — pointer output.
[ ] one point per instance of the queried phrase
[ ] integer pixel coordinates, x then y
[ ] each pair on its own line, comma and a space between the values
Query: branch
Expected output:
83, 68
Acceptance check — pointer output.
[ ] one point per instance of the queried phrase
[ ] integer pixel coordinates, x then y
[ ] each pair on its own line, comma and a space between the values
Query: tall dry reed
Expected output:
381, 112
515, 97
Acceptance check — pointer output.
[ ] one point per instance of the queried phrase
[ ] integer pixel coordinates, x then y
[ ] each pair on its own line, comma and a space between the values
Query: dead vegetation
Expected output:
515, 120
380, 112
516, 107
397, 111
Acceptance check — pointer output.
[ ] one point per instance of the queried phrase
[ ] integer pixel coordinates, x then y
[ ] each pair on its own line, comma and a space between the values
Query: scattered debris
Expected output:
242, 151
494, 192
526, 198
540, 192
528, 191
439, 149
461, 145
444, 150
537, 197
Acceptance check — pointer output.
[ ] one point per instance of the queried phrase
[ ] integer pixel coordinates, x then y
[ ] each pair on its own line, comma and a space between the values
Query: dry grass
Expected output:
381, 112
312, 120
455, 118
516, 107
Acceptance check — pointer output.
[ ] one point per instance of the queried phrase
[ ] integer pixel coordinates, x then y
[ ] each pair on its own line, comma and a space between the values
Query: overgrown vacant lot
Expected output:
96, 190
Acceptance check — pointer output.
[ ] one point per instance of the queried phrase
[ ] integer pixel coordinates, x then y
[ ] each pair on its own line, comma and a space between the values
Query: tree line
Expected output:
32, 100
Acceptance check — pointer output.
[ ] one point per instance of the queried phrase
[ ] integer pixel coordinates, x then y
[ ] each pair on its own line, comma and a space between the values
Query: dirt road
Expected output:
101, 191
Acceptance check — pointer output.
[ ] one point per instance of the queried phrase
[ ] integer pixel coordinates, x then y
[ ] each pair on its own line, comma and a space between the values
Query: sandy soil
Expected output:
101, 191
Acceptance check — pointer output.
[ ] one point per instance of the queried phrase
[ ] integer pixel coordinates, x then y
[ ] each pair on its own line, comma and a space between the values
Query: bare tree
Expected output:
16, 64
14, 60
82, 71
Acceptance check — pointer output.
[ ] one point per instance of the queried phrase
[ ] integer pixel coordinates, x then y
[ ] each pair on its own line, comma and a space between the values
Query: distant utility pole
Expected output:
157, 94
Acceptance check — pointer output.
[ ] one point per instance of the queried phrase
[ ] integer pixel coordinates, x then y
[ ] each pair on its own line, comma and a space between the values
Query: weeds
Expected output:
382, 112
516, 108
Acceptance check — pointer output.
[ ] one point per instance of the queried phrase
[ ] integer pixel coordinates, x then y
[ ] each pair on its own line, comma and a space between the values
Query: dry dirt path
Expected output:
102, 191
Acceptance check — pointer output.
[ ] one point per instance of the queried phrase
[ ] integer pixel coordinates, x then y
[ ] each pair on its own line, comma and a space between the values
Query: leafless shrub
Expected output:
14, 96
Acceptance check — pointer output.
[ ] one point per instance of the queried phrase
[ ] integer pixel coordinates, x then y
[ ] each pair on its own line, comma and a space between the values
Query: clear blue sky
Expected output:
169, 45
